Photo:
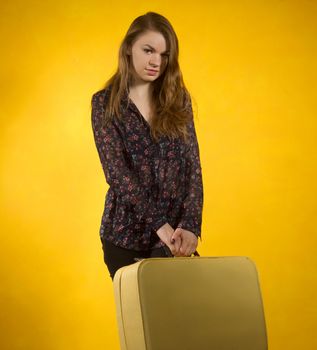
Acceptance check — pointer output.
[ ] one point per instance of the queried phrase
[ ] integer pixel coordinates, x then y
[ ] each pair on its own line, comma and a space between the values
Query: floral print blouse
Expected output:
150, 183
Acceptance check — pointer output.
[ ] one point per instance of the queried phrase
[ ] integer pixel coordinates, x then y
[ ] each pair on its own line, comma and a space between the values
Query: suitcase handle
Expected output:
169, 253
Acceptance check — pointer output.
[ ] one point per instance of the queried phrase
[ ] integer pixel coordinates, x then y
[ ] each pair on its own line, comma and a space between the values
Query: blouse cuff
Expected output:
158, 223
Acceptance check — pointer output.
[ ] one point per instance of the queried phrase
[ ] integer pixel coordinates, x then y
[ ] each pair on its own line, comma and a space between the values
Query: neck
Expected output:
142, 90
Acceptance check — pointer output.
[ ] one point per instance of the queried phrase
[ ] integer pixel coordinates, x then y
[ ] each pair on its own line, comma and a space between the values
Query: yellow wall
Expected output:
251, 69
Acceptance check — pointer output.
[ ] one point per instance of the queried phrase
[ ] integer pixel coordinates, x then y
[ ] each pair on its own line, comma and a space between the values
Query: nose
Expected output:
155, 60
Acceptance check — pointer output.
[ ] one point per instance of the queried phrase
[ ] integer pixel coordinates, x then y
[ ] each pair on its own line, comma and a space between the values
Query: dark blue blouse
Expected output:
149, 183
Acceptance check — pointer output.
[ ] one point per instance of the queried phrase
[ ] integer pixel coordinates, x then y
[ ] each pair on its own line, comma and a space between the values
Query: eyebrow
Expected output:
167, 51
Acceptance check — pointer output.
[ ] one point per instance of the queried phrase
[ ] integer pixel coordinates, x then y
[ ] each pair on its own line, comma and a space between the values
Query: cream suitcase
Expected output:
190, 303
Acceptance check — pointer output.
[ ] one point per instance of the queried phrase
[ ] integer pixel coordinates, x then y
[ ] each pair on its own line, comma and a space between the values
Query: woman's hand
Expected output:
165, 233
189, 241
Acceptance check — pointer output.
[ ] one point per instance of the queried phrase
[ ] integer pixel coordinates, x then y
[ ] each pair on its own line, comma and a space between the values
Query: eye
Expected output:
147, 50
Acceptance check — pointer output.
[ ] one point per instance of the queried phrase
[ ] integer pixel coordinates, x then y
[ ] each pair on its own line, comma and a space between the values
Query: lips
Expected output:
152, 70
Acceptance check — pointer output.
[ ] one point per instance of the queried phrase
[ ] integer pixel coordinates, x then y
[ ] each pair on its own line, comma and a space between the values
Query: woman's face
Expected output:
149, 56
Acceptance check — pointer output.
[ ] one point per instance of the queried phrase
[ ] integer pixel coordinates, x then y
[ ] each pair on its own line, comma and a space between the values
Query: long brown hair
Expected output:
171, 99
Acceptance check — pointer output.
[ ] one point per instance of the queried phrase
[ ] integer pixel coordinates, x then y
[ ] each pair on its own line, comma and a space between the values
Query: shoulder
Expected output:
99, 101
97, 107
99, 97
102, 95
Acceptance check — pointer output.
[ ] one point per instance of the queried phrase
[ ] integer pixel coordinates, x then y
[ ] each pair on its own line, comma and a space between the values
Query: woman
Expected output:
143, 128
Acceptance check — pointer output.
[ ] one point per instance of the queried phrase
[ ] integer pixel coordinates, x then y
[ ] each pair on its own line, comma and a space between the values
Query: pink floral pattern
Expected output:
149, 183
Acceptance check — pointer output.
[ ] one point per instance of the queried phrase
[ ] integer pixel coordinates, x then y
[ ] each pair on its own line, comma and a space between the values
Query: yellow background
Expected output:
251, 69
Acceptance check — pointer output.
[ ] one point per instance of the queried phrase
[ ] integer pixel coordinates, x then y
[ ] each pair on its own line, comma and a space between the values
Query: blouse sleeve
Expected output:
191, 217
118, 174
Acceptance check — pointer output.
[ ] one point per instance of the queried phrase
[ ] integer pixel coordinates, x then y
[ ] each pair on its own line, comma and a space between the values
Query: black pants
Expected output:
116, 257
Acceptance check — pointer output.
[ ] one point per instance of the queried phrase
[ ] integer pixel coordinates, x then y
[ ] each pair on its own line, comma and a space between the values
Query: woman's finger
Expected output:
184, 249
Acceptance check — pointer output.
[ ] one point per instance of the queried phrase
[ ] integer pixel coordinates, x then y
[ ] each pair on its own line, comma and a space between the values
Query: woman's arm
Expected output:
118, 175
191, 218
